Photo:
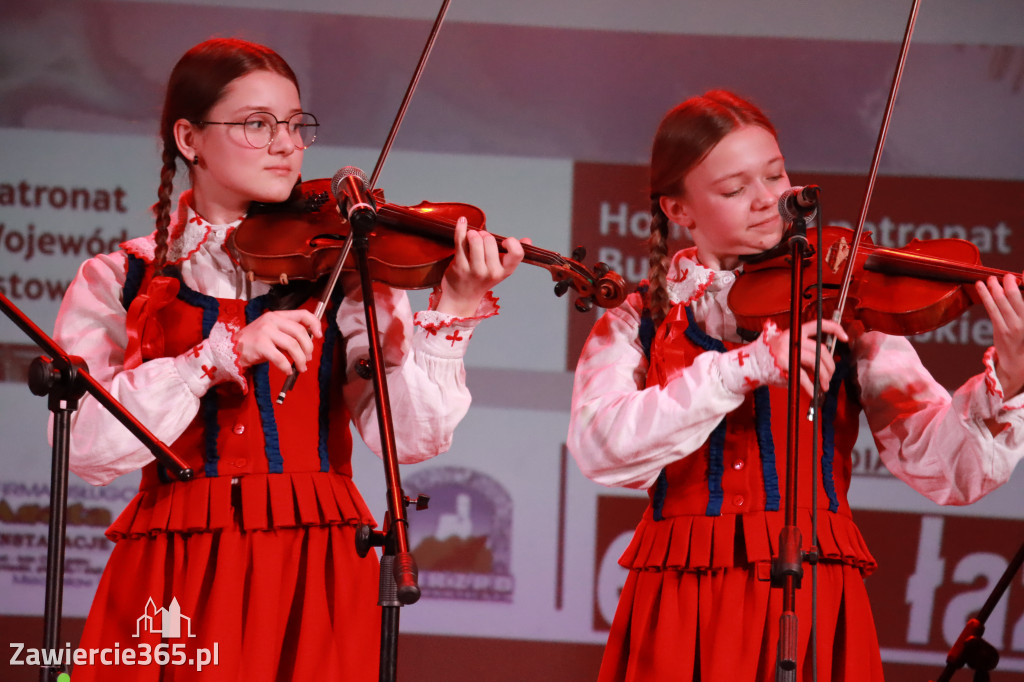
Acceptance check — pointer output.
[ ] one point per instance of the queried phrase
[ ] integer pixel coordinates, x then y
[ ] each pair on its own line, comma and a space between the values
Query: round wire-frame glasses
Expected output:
260, 128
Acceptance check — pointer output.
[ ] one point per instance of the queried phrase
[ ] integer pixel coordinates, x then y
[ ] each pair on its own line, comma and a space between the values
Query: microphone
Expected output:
799, 202
349, 188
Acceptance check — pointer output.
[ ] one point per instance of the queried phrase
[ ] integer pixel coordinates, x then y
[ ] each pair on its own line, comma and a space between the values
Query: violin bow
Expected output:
332, 281
837, 315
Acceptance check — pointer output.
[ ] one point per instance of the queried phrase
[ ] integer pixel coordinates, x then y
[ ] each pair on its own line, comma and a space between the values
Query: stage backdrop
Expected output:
541, 114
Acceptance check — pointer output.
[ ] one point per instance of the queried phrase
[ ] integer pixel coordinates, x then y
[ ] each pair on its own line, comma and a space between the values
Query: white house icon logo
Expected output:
166, 622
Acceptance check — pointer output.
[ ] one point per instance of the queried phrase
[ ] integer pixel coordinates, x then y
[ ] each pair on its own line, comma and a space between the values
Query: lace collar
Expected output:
187, 233
688, 280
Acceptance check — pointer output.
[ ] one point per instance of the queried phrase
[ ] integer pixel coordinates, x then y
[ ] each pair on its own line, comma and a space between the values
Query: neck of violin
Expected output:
910, 264
535, 255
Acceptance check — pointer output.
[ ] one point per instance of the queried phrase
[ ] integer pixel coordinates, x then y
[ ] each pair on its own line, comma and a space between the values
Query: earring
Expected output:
195, 160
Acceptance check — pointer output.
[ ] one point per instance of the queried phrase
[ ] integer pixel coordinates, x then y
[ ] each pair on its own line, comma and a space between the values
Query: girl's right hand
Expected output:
281, 337
779, 347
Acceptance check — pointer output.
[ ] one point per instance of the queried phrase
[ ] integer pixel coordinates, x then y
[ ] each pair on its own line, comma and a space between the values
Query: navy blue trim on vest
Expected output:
716, 442
828, 431
209, 305
646, 332
658, 498
209, 404
766, 444
646, 338
135, 273
263, 393
133, 277
698, 336
332, 335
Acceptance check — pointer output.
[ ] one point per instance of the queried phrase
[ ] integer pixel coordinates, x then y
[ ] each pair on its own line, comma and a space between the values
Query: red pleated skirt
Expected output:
723, 624
275, 604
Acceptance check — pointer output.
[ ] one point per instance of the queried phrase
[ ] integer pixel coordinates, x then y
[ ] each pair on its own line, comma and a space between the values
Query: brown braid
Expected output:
162, 208
658, 260
685, 136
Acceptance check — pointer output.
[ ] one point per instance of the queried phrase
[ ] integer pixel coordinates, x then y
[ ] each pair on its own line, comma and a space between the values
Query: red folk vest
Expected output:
291, 463
722, 505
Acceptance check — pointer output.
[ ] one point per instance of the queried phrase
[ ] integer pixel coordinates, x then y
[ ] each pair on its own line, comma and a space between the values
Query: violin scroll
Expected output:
602, 287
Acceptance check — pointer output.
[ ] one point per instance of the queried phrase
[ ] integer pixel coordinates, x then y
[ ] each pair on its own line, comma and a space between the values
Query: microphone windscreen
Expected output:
340, 176
789, 206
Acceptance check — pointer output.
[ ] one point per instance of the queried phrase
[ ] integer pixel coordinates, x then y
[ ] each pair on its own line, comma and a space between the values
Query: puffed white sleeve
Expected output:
623, 432
163, 394
953, 449
426, 377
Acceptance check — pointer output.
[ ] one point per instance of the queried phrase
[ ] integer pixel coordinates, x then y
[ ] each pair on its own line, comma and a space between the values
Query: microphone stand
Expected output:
398, 572
787, 567
66, 379
970, 648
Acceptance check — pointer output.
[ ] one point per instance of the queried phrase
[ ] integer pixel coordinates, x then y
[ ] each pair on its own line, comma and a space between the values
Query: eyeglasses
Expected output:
260, 128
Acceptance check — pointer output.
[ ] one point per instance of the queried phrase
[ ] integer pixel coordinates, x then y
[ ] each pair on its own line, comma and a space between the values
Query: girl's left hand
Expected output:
475, 269
1005, 306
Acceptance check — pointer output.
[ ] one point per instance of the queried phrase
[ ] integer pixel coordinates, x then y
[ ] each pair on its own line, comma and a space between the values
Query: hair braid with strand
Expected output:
162, 208
658, 260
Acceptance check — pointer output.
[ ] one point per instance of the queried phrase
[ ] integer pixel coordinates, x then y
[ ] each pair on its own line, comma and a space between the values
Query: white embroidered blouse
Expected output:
423, 355
623, 434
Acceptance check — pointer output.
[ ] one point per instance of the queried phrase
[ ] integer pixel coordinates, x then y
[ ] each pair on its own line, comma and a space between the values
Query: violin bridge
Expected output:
837, 254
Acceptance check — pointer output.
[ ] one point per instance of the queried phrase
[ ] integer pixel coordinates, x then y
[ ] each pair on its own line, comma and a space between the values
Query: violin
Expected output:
903, 291
303, 237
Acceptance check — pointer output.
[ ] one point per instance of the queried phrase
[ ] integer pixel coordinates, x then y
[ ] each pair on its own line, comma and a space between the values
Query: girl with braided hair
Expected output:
669, 399
255, 558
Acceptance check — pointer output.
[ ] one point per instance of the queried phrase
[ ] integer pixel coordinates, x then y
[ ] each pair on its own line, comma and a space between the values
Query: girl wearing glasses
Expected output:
251, 566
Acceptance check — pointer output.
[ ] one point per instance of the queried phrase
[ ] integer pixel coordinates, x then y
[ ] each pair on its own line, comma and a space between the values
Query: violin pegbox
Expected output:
602, 287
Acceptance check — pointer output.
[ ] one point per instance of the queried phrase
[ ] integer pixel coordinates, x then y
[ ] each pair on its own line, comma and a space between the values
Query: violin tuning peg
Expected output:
579, 253
584, 304
601, 270
561, 287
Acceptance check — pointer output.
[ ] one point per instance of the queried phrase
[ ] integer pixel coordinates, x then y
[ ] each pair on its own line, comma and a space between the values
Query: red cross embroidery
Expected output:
196, 219
453, 337
742, 355
208, 372
195, 351
750, 383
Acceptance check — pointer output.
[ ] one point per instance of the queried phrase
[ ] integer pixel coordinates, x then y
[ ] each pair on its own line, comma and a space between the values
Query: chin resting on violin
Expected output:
669, 398
176, 332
